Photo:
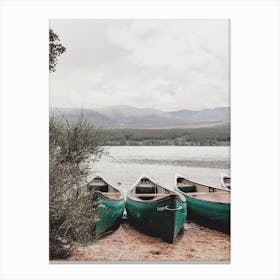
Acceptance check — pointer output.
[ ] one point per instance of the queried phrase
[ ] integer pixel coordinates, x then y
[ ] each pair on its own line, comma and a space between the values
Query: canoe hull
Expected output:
212, 214
218, 213
109, 214
158, 217
206, 205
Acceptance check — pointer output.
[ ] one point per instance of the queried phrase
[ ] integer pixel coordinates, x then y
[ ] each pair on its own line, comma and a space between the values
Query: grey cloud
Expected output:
168, 64
165, 89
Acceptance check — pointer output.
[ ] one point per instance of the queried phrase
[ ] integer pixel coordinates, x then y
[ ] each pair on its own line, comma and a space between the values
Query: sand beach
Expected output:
194, 243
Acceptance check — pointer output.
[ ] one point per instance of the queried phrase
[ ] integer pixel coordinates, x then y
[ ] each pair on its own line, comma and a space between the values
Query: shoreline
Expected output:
194, 243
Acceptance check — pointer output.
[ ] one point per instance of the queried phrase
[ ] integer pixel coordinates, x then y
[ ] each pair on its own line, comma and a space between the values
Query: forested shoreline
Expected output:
212, 136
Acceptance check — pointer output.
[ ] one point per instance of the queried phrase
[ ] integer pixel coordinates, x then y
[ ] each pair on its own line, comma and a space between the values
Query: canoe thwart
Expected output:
187, 188
148, 194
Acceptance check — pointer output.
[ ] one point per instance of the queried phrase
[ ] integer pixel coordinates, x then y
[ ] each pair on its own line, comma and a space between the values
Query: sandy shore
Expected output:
128, 244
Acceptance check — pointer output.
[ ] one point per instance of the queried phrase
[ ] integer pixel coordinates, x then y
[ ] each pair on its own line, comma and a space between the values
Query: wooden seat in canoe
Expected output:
223, 197
148, 194
113, 195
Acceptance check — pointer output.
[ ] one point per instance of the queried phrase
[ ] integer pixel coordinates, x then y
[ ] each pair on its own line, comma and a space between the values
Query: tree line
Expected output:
212, 136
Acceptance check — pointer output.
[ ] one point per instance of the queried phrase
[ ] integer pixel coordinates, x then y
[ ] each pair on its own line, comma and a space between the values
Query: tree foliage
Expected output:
55, 49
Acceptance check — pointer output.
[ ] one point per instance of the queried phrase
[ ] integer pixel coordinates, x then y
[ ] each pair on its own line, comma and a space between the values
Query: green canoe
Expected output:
206, 204
225, 182
111, 208
155, 209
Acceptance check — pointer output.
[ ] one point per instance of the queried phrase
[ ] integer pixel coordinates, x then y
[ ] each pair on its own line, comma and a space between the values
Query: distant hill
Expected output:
71, 114
132, 117
207, 115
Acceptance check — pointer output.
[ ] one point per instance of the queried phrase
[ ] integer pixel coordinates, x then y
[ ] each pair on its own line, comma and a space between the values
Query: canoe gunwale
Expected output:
109, 198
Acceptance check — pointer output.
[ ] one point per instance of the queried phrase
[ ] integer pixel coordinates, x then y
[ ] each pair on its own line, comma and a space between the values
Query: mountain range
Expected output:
132, 117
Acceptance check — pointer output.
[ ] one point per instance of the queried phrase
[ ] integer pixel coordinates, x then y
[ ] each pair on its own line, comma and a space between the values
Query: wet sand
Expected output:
194, 243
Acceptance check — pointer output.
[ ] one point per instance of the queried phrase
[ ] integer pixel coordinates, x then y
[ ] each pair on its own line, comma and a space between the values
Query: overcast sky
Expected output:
162, 64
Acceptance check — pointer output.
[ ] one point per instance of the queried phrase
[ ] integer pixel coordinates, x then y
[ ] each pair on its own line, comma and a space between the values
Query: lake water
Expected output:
123, 165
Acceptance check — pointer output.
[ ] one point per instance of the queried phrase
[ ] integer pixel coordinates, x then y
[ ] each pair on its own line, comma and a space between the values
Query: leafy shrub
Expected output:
73, 146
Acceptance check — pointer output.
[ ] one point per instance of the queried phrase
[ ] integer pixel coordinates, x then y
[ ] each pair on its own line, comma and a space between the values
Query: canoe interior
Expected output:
98, 184
202, 192
226, 182
146, 189
222, 197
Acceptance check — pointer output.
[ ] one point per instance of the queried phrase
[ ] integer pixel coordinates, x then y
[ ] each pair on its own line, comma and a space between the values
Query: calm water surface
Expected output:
123, 165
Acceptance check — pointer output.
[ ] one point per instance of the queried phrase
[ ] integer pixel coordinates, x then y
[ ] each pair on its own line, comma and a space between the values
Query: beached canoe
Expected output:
206, 204
225, 182
155, 209
112, 205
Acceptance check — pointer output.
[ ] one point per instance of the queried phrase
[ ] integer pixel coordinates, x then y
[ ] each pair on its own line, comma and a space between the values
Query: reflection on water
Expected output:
123, 165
